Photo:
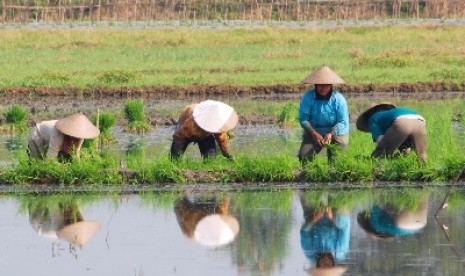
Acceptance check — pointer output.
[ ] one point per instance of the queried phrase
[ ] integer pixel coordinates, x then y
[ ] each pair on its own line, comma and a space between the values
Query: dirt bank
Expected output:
185, 92
46, 102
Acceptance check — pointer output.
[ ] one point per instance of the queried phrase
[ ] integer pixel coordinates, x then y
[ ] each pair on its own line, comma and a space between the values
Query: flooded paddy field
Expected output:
281, 232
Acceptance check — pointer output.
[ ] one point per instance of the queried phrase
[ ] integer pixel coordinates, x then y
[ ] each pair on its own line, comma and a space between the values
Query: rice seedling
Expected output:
16, 117
135, 114
289, 117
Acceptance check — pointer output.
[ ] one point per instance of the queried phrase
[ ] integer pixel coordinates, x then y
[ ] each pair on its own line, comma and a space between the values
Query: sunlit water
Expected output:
142, 235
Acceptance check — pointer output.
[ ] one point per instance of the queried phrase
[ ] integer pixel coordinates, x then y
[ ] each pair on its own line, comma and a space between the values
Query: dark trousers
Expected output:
207, 146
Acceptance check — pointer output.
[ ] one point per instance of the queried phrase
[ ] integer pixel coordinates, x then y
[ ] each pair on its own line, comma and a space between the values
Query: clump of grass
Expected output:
116, 77
16, 118
289, 116
134, 113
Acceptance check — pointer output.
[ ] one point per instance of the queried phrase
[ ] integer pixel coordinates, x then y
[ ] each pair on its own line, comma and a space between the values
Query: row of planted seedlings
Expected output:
446, 147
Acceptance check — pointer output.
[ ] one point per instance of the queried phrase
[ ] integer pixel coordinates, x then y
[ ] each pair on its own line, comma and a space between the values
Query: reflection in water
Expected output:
388, 220
265, 224
62, 220
325, 234
206, 220
282, 232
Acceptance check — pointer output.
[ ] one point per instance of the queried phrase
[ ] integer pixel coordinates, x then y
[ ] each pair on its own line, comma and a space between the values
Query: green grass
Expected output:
354, 165
259, 56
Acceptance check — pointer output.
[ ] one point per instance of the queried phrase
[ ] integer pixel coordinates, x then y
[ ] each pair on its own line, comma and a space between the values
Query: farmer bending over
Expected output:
394, 128
60, 138
206, 124
323, 114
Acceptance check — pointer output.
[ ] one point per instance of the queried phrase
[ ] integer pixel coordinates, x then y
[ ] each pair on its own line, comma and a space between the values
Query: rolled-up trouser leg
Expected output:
207, 146
398, 132
308, 148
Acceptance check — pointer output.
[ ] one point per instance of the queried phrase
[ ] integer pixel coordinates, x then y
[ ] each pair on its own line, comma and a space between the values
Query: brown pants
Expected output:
309, 147
401, 130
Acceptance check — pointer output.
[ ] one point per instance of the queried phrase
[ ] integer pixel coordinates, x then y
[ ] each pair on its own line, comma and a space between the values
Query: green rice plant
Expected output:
134, 113
257, 169
407, 198
289, 116
16, 117
106, 121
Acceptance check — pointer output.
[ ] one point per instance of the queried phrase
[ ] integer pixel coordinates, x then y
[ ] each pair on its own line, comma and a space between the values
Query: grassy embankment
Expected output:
134, 58
445, 148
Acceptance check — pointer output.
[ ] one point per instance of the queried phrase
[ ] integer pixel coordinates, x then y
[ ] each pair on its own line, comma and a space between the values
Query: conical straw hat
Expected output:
215, 116
79, 233
362, 120
216, 230
323, 75
77, 125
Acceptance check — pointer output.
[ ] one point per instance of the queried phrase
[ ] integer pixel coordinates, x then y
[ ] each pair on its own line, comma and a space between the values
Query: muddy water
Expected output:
246, 233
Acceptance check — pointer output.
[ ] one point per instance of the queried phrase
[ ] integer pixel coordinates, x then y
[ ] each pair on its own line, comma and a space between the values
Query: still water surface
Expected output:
366, 232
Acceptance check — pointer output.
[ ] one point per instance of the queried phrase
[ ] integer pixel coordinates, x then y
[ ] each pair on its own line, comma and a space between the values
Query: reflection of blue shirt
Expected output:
381, 121
383, 223
326, 236
325, 115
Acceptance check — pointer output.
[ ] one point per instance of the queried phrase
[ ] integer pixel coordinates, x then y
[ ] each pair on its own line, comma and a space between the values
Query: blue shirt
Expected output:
327, 236
325, 115
383, 223
381, 121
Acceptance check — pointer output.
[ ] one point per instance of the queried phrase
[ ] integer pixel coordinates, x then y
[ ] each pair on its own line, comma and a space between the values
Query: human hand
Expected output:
329, 213
328, 138
318, 138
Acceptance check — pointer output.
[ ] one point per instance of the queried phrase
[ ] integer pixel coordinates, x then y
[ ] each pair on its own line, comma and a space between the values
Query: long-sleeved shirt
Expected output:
188, 130
381, 121
326, 236
325, 115
49, 139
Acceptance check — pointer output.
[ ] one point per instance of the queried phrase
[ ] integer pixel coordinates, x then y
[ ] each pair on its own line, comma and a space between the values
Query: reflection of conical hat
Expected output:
215, 230
79, 233
362, 120
323, 75
327, 271
77, 125
215, 116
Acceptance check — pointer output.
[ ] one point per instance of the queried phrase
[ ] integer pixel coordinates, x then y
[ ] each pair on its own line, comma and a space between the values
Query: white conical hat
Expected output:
79, 233
79, 126
216, 230
215, 116
323, 75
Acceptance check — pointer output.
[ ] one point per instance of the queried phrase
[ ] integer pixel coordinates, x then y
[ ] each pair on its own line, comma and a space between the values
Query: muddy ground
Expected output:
46, 102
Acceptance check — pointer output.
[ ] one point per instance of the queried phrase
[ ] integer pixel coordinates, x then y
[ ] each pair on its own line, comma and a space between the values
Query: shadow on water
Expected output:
379, 231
